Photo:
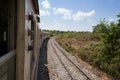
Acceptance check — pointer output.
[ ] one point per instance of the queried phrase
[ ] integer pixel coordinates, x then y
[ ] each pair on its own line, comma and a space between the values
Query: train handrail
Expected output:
6, 57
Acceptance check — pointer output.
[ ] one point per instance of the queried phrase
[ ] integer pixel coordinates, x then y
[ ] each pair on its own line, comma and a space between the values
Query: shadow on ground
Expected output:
42, 68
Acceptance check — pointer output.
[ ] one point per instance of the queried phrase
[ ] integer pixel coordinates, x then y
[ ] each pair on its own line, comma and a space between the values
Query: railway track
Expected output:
74, 72
62, 63
56, 68
88, 78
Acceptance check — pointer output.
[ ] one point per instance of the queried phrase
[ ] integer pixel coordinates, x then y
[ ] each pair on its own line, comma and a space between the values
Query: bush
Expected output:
109, 58
90, 53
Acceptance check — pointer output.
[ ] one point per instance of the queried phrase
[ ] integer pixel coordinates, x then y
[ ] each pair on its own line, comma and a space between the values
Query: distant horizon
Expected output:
65, 30
79, 15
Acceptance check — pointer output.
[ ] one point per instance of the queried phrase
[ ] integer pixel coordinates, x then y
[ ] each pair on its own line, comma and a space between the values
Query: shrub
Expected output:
109, 58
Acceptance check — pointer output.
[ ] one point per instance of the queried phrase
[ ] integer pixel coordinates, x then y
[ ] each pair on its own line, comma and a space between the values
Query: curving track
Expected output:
63, 67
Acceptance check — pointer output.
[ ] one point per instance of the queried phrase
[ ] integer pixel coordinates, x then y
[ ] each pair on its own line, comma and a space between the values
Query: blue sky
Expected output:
76, 15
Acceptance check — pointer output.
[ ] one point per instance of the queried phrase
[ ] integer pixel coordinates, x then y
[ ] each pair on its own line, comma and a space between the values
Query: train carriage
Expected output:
20, 39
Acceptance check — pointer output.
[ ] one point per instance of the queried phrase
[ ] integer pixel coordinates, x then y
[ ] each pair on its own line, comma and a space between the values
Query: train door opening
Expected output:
32, 39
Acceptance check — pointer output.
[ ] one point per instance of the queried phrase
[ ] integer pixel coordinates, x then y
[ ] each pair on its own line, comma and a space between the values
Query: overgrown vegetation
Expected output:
109, 57
100, 48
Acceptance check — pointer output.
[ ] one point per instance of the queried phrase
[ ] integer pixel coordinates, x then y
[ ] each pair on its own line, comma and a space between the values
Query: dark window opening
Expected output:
3, 26
7, 23
32, 29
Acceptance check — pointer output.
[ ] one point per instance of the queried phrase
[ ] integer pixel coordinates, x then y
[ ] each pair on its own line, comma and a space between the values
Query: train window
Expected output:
7, 23
3, 26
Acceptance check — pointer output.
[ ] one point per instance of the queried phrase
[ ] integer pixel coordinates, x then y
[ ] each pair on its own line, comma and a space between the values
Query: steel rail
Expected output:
72, 61
62, 62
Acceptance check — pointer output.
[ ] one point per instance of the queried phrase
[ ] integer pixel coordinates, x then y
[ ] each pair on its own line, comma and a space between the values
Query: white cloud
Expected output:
111, 20
68, 14
45, 4
54, 25
65, 12
80, 15
44, 13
